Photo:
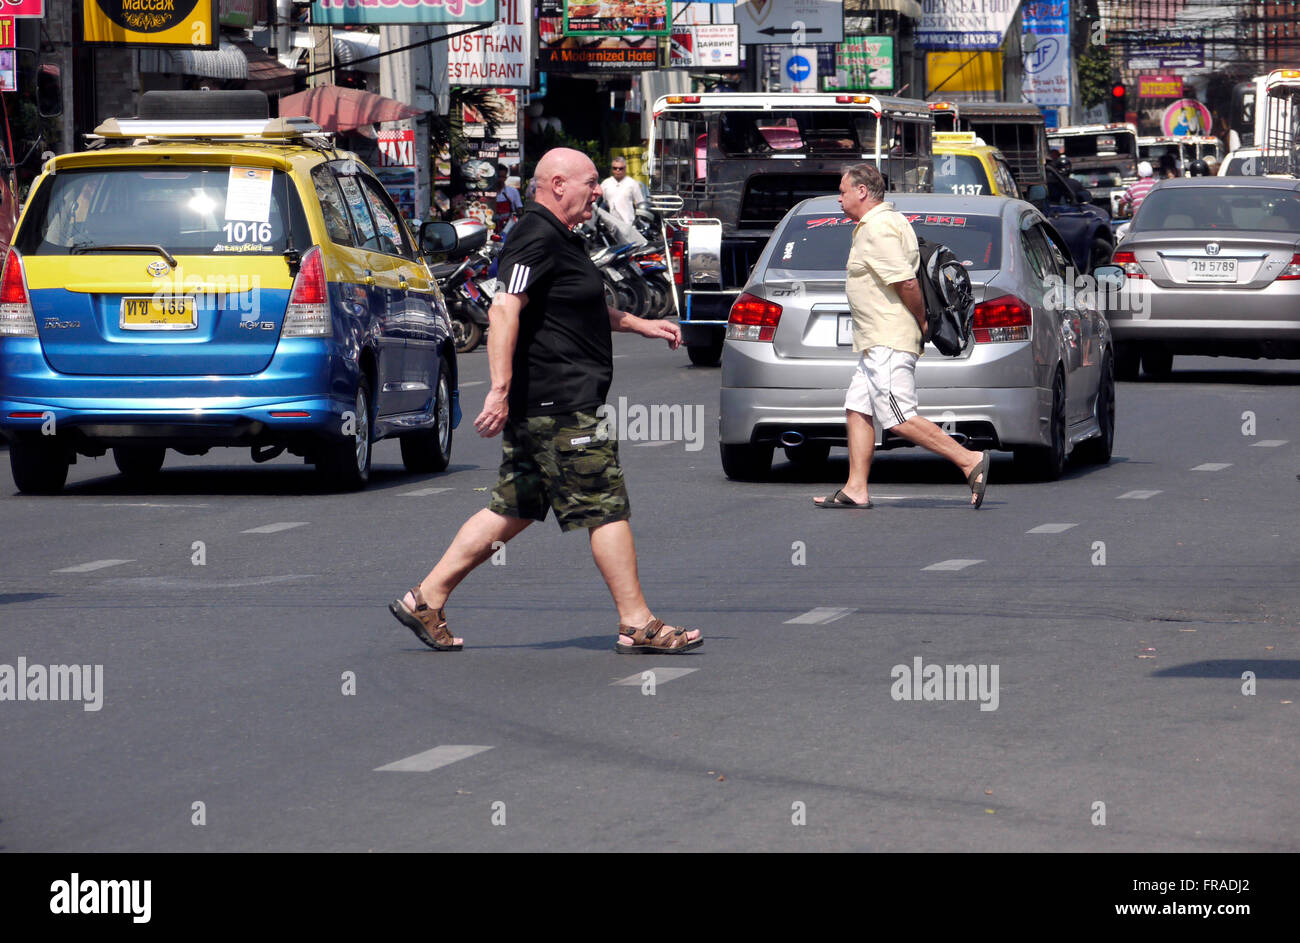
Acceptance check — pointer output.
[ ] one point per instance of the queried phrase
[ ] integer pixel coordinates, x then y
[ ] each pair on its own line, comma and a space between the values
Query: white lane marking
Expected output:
432, 759
93, 565
661, 675
421, 492
1050, 528
1213, 466
1138, 495
471, 383
652, 445
1268, 443
619, 356
274, 528
822, 615
928, 497
137, 504
951, 564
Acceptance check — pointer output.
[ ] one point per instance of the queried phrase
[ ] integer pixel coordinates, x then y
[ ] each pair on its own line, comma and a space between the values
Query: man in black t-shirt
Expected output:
551, 361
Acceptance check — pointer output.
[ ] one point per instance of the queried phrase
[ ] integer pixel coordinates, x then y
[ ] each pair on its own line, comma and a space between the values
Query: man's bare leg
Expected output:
471, 546
862, 448
614, 551
921, 431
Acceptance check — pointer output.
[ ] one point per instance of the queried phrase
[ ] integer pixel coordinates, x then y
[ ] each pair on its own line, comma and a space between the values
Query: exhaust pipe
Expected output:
792, 439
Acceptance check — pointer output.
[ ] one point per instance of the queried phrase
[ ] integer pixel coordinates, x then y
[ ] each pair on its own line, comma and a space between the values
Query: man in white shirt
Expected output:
622, 193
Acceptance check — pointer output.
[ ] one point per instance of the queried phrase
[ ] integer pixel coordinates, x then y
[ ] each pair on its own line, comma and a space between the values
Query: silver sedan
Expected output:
1037, 377
1213, 266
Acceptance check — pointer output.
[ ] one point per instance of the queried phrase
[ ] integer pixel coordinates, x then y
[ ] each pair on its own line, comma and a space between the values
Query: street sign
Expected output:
971, 24
790, 22
799, 69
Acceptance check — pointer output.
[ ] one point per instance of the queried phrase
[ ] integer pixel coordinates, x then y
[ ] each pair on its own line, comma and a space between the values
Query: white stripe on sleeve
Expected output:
518, 279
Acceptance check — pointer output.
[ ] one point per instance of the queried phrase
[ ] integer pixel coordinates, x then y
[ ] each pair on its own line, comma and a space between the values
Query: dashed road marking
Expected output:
1050, 528
822, 615
421, 492
951, 565
471, 383
1213, 466
432, 759
662, 675
652, 445
1138, 495
1268, 443
93, 565
274, 528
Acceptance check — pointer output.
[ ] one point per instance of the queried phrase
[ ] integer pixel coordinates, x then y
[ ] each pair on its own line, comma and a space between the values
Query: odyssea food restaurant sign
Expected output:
964, 24
189, 23
391, 12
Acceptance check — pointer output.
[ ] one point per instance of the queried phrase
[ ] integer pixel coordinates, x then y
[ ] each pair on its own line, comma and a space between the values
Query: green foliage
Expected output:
1094, 76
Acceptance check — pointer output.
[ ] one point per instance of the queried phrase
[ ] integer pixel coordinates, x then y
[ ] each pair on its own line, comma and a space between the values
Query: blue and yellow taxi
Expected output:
232, 281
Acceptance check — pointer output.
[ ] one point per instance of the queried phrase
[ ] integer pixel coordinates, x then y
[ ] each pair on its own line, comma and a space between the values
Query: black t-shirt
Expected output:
564, 359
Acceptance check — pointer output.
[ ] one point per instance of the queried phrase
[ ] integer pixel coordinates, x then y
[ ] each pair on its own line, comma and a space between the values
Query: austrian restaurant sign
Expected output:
397, 12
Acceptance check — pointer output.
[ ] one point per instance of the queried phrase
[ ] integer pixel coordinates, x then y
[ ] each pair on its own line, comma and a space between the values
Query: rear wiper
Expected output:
79, 247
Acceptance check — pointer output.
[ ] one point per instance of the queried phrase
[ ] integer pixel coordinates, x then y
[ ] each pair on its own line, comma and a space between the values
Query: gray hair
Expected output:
866, 175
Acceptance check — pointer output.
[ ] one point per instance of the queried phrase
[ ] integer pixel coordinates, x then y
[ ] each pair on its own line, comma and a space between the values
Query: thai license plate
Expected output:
844, 331
158, 313
489, 287
1211, 270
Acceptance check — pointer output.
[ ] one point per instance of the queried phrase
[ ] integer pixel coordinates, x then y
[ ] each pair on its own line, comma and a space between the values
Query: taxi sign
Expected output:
953, 137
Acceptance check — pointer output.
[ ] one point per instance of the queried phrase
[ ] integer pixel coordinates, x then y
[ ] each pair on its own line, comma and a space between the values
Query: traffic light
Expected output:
1118, 101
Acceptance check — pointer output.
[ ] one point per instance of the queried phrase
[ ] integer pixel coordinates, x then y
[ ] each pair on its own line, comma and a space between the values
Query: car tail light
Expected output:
1002, 319
308, 314
753, 319
1292, 271
16, 317
1129, 263
677, 249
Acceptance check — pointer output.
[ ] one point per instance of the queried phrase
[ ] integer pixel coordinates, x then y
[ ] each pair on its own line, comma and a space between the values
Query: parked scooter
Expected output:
457, 278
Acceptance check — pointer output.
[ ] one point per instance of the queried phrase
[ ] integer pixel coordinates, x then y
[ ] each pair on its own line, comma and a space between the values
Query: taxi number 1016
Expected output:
247, 232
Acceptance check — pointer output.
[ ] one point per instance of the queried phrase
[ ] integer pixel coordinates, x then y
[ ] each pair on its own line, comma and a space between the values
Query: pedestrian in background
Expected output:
622, 194
888, 334
550, 356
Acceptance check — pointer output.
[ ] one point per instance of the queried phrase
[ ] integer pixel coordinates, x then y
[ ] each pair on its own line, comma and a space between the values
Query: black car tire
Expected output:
139, 462
808, 455
39, 466
1098, 451
430, 451
1099, 255
345, 462
705, 355
1157, 362
1128, 360
1046, 463
746, 462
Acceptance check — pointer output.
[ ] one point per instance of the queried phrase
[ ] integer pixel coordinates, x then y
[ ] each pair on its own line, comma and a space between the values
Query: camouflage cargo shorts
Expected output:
561, 463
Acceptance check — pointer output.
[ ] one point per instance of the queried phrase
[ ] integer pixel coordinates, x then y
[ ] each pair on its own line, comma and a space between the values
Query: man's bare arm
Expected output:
628, 323
503, 335
909, 292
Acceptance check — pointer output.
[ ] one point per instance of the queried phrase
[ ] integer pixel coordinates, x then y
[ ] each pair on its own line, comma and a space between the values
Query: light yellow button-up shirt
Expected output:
884, 252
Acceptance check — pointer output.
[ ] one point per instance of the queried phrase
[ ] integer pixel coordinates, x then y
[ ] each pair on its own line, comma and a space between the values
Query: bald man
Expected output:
550, 356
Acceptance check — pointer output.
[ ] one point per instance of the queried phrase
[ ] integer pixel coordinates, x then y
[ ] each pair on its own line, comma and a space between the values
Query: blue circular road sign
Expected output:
798, 68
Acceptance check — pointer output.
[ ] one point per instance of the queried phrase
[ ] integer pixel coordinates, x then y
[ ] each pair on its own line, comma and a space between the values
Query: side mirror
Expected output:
1083, 196
49, 91
1110, 277
437, 237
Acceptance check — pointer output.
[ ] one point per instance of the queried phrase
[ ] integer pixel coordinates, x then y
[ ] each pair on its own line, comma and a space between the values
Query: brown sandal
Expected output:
651, 640
429, 625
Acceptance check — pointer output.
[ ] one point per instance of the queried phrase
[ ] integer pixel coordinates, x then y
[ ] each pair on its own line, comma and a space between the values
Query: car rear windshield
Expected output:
763, 133
960, 173
185, 210
1095, 145
1210, 209
820, 243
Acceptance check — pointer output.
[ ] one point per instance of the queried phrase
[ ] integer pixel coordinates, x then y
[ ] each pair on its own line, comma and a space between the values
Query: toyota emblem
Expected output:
157, 268
1211, 248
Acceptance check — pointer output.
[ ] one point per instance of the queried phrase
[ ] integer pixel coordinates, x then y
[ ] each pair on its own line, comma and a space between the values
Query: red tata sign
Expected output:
24, 7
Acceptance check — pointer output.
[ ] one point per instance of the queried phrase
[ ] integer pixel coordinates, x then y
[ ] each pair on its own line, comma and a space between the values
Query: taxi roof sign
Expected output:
954, 137
282, 129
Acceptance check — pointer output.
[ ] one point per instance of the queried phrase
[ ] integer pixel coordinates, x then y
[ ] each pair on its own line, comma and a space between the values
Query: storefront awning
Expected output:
264, 72
336, 108
227, 62
910, 8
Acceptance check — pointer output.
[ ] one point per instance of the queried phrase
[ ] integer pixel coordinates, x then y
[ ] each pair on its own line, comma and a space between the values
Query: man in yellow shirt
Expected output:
888, 334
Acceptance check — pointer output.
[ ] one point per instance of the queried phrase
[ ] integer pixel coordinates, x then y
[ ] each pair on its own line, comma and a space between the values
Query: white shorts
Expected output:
884, 386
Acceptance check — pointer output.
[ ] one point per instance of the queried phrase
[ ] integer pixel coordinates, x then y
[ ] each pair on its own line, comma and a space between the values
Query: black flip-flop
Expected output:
840, 501
980, 471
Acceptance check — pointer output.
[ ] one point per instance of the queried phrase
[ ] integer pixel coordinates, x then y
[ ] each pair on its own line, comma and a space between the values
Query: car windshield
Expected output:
820, 242
1100, 144
1220, 208
1099, 177
763, 133
185, 210
960, 173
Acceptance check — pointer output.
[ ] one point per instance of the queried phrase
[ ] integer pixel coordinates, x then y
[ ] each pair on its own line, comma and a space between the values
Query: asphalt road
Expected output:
1122, 684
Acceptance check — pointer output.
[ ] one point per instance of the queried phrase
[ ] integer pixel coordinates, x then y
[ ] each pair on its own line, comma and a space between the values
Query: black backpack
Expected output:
949, 301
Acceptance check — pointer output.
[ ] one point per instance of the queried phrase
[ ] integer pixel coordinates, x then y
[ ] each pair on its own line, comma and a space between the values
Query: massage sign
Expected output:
188, 23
